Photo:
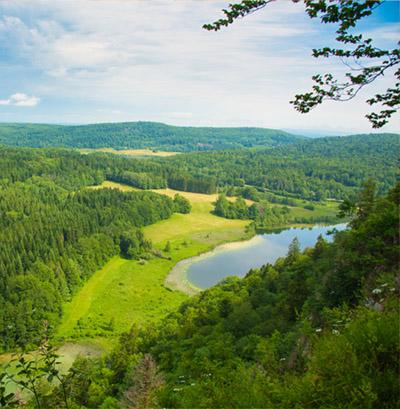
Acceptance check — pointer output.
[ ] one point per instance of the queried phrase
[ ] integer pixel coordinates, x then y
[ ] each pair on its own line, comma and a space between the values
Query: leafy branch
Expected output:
345, 13
32, 371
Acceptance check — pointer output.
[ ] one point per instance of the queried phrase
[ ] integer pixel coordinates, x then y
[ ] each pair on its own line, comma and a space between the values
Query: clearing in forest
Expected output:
130, 152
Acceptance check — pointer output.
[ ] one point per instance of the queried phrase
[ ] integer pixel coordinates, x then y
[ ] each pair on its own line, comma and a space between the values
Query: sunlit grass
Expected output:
130, 152
126, 292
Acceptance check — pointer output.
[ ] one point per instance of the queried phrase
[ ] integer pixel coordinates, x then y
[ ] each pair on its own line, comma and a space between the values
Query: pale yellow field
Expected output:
192, 197
114, 185
199, 225
130, 152
196, 197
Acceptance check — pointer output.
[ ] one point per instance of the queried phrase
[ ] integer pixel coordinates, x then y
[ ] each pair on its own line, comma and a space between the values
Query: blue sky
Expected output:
127, 60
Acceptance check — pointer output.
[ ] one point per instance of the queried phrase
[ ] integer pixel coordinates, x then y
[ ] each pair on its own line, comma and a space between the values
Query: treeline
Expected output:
232, 210
315, 169
52, 240
137, 135
265, 215
70, 169
319, 329
187, 183
318, 169
141, 180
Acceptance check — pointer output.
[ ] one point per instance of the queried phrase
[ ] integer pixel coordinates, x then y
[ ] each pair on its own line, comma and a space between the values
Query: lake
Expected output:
238, 258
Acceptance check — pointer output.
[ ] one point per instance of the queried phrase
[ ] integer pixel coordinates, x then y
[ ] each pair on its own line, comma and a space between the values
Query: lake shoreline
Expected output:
177, 279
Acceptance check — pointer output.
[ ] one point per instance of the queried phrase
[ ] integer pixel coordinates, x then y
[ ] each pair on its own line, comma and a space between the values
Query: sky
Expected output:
91, 61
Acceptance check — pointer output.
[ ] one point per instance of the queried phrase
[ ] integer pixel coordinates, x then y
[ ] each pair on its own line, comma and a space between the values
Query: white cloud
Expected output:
20, 100
151, 60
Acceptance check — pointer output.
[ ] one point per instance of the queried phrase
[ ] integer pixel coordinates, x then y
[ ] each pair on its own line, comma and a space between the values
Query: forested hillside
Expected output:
54, 236
57, 234
138, 135
313, 169
319, 329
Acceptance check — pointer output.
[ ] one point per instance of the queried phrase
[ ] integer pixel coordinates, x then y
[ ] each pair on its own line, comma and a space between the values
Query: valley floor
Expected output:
129, 292
126, 292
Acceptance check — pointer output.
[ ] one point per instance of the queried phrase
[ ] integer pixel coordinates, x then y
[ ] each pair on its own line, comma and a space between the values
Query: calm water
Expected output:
261, 249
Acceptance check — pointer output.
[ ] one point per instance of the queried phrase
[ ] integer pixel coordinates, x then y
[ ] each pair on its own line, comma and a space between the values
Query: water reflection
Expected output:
261, 249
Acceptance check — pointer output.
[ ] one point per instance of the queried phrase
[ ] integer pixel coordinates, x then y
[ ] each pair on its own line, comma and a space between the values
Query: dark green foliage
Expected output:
132, 244
140, 180
72, 170
188, 183
141, 135
231, 210
314, 169
264, 214
182, 205
53, 238
319, 329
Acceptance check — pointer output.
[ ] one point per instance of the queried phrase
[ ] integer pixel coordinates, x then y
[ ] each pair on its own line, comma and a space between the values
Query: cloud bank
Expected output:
114, 60
20, 100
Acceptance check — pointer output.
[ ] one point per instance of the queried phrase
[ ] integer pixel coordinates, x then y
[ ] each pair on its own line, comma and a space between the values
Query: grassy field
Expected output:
320, 209
122, 293
130, 152
196, 197
107, 184
126, 292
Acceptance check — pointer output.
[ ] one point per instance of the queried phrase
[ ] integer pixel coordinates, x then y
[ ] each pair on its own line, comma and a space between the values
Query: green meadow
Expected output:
126, 292
129, 292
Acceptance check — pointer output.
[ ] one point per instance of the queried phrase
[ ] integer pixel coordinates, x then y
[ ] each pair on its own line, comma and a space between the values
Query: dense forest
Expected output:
113, 235
54, 238
286, 324
141, 135
313, 170
318, 329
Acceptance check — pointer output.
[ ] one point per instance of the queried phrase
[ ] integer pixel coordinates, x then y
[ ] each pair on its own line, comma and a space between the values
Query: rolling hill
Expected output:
137, 135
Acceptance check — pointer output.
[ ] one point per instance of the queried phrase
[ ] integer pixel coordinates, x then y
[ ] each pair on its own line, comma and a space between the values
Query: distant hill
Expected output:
137, 135
385, 144
333, 167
